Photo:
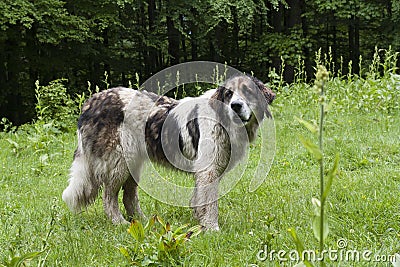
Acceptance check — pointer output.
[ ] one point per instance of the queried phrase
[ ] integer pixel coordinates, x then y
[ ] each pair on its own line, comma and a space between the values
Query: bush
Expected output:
55, 106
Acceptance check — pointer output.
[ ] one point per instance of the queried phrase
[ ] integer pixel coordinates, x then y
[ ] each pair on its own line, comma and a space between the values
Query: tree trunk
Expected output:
173, 42
308, 53
12, 85
292, 21
293, 14
152, 52
183, 39
235, 51
335, 39
354, 43
193, 34
277, 25
357, 45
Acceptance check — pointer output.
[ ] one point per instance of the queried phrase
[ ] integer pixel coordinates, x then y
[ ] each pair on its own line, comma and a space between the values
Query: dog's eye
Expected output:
228, 93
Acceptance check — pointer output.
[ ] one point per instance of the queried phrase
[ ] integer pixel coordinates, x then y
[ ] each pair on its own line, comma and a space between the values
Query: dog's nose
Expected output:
236, 106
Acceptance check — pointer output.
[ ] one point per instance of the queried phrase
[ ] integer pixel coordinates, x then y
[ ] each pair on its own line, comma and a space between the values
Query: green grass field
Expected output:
363, 207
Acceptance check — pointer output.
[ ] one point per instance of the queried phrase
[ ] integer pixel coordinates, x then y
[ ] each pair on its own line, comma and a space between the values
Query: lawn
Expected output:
363, 206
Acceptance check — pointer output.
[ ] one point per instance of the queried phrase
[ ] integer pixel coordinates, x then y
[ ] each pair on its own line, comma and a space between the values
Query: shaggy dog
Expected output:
120, 128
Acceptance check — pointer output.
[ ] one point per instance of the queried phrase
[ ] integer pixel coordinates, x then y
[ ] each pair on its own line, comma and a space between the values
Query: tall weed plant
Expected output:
319, 223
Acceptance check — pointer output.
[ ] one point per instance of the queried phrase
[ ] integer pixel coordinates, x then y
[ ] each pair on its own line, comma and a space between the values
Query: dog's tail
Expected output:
82, 189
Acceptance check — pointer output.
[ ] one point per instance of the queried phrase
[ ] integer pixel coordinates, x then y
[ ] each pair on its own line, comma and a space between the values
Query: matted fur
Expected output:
100, 160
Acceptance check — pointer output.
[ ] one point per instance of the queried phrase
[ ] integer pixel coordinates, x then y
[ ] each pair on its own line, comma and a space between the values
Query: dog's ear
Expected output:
267, 92
219, 94
217, 99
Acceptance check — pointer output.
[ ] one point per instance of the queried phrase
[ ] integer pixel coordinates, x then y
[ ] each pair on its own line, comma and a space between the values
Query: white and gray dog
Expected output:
120, 128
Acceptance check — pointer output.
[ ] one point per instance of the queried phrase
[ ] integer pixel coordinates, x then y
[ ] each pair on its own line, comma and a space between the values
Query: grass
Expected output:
362, 208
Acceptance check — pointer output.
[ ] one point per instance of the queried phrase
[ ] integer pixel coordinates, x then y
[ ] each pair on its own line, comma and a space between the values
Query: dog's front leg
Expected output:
205, 199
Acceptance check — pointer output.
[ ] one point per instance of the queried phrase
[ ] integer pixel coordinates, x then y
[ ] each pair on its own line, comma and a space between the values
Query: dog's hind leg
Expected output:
110, 203
131, 198
116, 179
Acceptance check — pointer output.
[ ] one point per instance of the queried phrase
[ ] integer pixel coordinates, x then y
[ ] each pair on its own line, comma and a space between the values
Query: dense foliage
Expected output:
80, 40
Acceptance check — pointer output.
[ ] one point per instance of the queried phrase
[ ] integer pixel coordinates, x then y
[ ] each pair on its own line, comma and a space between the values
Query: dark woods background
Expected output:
81, 40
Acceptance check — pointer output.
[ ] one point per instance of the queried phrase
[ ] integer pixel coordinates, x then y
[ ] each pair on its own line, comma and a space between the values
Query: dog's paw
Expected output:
119, 220
211, 228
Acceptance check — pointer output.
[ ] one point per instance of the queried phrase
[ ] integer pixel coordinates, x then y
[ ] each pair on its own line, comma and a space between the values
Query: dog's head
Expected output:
247, 97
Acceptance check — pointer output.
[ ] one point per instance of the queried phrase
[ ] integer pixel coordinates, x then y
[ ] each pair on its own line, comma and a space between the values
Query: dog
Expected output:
120, 128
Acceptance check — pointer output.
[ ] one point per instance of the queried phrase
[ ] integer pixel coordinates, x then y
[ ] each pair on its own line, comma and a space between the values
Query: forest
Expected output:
44, 40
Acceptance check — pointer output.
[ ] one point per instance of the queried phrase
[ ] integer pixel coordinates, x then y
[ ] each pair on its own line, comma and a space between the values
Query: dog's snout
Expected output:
236, 106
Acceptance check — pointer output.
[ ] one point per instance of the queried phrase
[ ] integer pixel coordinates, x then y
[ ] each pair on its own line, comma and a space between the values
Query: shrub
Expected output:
55, 106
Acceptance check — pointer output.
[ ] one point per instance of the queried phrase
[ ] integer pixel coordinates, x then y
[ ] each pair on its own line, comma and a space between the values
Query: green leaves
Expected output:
316, 221
299, 248
16, 11
136, 230
317, 204
331, 174
18, 261
312, 148
316, 226
54, 105
310, 126
157, 243
52, 19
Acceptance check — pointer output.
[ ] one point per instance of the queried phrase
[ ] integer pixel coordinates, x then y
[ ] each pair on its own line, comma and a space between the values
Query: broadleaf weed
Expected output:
157, 243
